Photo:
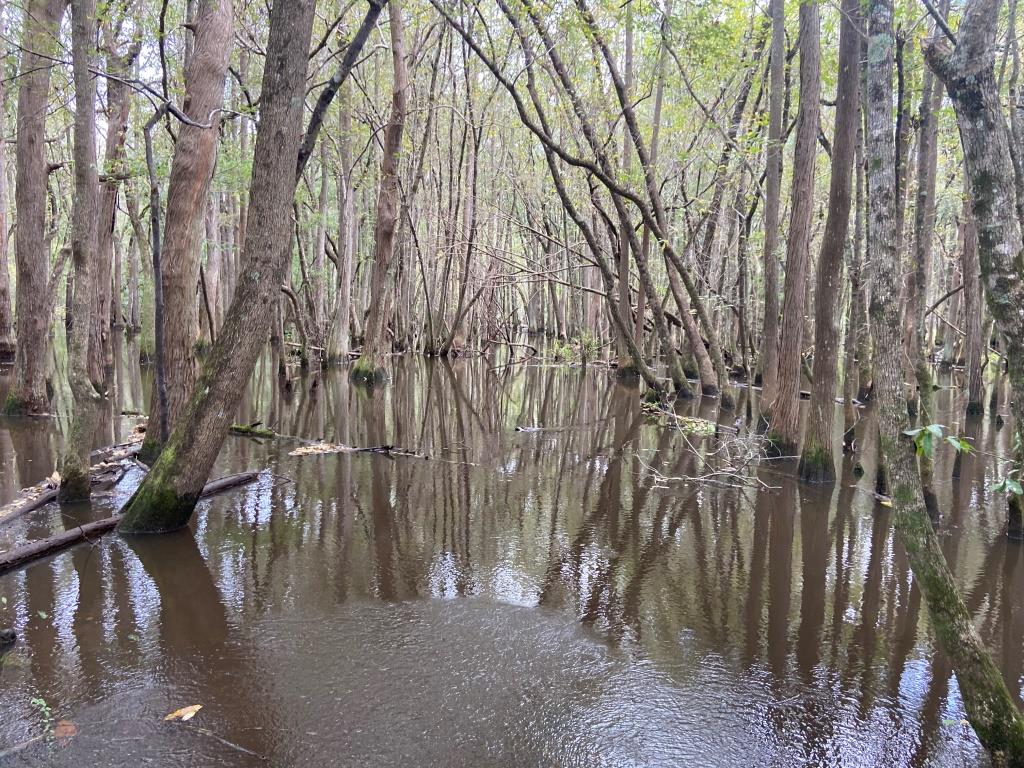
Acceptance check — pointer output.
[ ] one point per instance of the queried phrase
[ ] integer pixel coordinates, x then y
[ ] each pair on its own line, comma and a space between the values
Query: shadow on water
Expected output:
540, 591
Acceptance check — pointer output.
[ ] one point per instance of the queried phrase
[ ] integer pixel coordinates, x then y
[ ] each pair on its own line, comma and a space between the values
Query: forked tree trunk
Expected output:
817, 463
28, 393
187, 191
990, 708
74, 465
167, 496
785, 420
369, 367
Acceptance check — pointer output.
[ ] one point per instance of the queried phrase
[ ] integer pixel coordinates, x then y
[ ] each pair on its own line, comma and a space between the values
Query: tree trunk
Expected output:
773, 198
989, 706
28, 392
785, 420
167, 496
974, 348
817, 464
101, 360
369, 367
341, 329
7, 339
74, 465
968, 72
187, 191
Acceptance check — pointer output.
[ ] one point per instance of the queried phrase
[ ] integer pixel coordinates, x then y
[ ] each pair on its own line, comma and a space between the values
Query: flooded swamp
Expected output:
551, 577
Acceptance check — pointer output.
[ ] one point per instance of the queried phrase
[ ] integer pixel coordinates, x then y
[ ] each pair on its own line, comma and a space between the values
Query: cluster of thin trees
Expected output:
645, 178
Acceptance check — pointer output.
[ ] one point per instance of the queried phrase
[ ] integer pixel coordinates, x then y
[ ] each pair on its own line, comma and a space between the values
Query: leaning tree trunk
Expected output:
187, 191
968, 72
369, 367
817, 464
28, 393
785, 419
990, 708
167, 496
74, 465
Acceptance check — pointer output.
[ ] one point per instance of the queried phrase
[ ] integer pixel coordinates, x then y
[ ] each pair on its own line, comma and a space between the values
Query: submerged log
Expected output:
27, 553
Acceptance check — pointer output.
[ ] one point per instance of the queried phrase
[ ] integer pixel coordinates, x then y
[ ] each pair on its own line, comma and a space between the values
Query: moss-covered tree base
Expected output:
74, 486
156, 507
16, 406
817, 465
368, 373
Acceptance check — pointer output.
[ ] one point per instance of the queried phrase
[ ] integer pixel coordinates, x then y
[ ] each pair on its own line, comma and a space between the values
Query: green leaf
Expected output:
42, 615
1013, 486
935, 429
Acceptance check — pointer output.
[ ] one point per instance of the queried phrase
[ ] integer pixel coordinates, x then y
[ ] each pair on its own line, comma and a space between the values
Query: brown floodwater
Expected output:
537, 592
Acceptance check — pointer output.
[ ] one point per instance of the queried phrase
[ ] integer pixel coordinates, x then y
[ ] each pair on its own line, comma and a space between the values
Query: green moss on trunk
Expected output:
156, 507
367, 373
817, 465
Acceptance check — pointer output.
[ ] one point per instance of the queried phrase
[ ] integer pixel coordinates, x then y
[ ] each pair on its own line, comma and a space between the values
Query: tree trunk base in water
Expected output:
156, 508
975, 409
368, 373
817, 465
15, 406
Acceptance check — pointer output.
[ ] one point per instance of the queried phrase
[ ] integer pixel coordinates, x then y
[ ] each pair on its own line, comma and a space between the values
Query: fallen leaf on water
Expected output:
64, 731
885, 502
185, 713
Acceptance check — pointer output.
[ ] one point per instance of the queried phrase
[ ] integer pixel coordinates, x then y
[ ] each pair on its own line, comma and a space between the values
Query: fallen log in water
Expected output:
105, 473
26, 553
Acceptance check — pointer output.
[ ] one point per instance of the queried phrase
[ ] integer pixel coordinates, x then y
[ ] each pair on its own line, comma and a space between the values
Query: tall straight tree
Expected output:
187, 193
167, 496
990, 708
772, 204
369, 367
817, 464
28, 393
785, 418
74, 484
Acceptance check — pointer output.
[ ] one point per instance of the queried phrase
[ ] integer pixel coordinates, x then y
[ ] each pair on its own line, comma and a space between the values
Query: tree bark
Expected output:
28, 392
785, 420
990, 708
74, 465
369, 368
187, 192
817, 463
166, 498
968, 72
773, 199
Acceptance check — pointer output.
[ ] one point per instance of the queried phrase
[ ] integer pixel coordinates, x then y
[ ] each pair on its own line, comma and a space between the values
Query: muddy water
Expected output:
539, 596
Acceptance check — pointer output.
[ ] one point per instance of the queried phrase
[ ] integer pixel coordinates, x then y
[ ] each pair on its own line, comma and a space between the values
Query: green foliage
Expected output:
926, 439
1010, 483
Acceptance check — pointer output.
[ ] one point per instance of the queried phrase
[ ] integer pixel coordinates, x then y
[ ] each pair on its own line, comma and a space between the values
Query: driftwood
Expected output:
19, 556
